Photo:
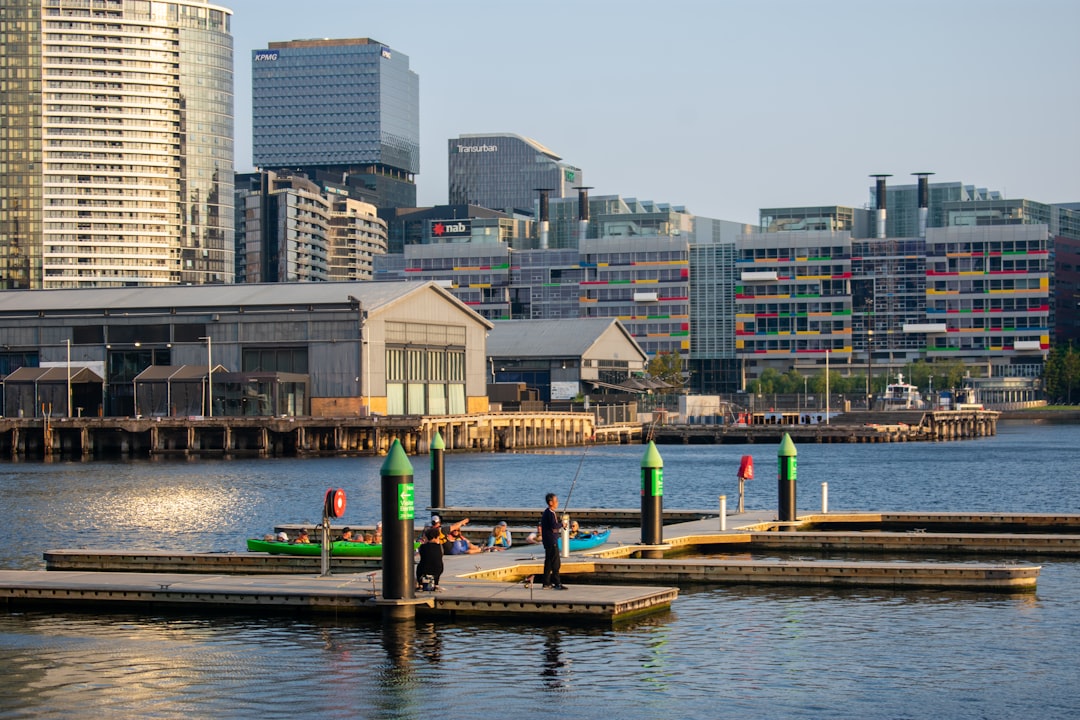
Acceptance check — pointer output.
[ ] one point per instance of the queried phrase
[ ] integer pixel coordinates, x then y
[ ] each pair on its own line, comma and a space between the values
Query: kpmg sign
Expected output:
452, 228
265, 55
477, 148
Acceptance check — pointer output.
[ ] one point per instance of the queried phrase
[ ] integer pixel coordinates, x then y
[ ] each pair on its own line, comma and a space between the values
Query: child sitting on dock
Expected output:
499, 539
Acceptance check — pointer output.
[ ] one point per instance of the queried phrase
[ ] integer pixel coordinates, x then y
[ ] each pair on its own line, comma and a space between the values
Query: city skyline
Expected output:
754, 105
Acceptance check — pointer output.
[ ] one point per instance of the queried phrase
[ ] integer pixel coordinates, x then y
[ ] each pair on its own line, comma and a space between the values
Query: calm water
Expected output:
721, 652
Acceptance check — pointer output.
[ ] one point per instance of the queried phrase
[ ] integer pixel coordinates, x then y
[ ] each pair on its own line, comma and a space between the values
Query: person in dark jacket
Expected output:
550, 527
431, 560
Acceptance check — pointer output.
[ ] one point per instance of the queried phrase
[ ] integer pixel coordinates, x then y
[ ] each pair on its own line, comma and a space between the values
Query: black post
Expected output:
438, 467
786, 480
652, 497
398, 512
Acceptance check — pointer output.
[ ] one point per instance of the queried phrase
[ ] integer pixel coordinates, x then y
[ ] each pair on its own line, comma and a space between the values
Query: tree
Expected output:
668, 366
1061, 374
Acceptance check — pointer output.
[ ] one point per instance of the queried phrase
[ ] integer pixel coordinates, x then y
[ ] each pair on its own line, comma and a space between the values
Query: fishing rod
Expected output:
576, 473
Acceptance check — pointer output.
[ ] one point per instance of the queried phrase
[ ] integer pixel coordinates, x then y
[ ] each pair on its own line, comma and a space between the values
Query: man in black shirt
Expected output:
550, 527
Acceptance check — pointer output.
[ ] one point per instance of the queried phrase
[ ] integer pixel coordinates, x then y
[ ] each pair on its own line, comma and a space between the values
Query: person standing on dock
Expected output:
550, 527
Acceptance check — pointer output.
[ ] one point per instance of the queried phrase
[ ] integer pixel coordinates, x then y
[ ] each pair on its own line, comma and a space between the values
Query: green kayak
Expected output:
341, 548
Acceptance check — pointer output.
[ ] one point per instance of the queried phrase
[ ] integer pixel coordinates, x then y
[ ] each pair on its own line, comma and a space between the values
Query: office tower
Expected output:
116, 146
344, 111
506, 172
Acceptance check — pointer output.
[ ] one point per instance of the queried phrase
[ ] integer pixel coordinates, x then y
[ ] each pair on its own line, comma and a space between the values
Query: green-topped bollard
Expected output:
652, 499
438, 474
786, 481
398, 511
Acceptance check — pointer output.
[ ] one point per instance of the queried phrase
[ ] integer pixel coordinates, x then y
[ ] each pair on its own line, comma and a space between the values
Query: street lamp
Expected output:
69, 376
209, 374
869, 365
363, 353
930, 393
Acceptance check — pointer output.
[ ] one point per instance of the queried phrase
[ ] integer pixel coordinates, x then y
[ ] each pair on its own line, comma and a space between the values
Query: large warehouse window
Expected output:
425, 369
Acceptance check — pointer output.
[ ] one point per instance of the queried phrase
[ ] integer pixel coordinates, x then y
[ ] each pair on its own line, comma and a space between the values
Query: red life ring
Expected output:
334, 503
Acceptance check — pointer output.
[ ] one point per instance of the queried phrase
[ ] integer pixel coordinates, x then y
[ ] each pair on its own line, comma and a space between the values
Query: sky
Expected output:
727, 106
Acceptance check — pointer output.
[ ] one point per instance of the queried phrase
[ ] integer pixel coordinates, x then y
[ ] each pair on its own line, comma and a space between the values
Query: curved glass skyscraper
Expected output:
116, 146
504, 172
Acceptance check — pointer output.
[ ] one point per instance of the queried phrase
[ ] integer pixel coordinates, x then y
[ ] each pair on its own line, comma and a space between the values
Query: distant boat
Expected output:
902, 396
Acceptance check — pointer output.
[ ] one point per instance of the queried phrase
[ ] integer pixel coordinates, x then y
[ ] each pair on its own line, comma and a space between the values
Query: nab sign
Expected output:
451, 228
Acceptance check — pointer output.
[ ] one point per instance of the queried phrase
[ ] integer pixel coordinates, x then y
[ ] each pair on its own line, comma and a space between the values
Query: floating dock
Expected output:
340, 594
210, 562
619, 580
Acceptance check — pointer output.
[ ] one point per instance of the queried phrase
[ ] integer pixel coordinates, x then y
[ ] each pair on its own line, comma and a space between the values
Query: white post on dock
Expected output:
723, 513
824, 497
326, 546
566, 535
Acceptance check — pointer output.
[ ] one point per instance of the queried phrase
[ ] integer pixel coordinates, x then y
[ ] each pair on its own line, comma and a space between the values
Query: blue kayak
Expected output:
587, 541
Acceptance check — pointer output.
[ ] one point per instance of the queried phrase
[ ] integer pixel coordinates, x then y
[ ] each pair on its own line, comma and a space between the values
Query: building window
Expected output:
276, 359
425, 381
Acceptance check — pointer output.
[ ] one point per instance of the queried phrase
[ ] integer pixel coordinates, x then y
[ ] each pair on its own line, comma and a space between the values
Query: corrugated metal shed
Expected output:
372, 296
568, 337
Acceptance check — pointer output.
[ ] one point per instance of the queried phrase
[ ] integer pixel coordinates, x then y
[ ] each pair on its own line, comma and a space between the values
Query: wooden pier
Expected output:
861, 427
90, 437
86, 437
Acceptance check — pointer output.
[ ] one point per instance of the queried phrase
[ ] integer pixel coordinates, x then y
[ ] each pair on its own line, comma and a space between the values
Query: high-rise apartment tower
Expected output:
116, 143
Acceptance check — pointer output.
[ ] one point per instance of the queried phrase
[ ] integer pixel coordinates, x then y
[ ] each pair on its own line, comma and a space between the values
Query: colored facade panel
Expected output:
792, 294
990, 287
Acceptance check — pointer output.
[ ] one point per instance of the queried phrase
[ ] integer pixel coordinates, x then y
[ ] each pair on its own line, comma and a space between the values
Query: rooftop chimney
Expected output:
924, 200
543, 216
880, 202
583, 211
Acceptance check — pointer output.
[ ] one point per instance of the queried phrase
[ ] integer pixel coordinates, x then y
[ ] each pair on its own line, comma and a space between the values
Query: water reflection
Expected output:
429, 642
398, 685
552, 668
